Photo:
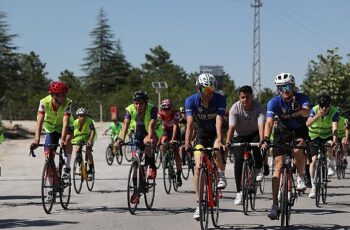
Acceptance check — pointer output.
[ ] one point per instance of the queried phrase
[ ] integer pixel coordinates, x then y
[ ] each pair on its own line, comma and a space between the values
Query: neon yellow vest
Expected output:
341, 126
322, 127
158, 127
83, 135
54, 121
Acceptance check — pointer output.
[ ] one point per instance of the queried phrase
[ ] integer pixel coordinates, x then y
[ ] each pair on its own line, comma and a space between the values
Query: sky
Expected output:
194, 32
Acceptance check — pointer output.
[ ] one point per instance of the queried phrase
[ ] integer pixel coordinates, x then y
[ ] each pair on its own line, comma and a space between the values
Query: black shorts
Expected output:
139, 136
317, 140
282, 136
205, 139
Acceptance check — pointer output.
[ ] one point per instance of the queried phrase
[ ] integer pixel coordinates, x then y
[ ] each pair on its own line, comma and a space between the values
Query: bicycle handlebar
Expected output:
51, 146
252, 144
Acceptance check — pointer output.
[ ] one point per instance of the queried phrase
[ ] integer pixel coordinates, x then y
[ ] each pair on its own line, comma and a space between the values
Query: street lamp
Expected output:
158, 85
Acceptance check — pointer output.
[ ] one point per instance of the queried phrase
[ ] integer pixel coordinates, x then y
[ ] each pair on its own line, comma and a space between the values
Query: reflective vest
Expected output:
146, 120
82, 135
53, 121
342, 124
322, 127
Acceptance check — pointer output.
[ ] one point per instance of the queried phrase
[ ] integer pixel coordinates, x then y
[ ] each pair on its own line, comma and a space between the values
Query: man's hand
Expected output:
35, 144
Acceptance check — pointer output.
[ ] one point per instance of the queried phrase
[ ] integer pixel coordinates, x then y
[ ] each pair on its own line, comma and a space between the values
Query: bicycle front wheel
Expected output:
186, 166
77, 176
245, 189
119, 155
65, 191
203, 199
47, 188
252, 188
284, 199
150, 192
132, 189
109, 155
167, 175
127, 152
325, 182
216, 198
158, 157
90, 180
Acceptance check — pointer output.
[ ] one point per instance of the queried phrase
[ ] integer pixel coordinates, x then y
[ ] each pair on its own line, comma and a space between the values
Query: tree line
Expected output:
109, 79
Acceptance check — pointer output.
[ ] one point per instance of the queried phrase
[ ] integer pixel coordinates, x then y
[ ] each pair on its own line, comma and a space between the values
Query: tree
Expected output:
328, 75
98, 62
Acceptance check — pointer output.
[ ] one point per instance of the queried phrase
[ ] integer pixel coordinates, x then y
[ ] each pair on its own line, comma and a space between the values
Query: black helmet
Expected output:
140, 96
324, 100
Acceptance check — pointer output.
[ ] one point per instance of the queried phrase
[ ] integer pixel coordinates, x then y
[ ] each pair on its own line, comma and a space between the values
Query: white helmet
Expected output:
81, 111
206, 80
284, 79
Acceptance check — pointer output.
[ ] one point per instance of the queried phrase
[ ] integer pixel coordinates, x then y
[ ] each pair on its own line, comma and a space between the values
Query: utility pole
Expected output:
256, 49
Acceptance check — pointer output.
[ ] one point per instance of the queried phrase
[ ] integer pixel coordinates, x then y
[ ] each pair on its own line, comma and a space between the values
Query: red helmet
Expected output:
166, 104
58, 87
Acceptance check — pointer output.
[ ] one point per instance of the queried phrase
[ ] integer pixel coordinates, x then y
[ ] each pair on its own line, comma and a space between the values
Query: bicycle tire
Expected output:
158, 157
253, 189
109, 155
127, 152
231, 156
325, 183
262, 185
46, 188
284, 199
132, 187
90, 181
203, 199
186, 168
167, 176
338, 160
65, 191
77, 177
150, 192
173, 175
215, 211
119, 156
245, 189
318, 183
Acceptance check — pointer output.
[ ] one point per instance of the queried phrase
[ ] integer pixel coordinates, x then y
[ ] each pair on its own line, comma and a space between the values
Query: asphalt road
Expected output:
106, 206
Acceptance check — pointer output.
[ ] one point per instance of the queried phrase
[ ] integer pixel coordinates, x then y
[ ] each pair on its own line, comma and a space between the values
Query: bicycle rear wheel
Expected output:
109, 155
231, 156
47, 189
127, 152
203, 199
262, 185
216, 194
132, 189
158, 157
245, 189
65, 191
338, 160
77, 176
150, 192
90, 180
119, 155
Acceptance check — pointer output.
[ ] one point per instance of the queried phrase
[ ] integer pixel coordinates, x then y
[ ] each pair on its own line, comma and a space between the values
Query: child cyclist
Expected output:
171, 132
84, 131
116, 128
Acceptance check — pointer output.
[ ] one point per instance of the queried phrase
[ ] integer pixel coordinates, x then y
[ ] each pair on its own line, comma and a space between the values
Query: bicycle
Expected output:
248, 181
287, 194
169, 173
139, 184
321, 173
130, 149
209, 194
52, 181
81, 168
340, 164
110, 155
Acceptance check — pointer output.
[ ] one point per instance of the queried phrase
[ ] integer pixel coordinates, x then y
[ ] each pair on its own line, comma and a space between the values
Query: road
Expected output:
106, 207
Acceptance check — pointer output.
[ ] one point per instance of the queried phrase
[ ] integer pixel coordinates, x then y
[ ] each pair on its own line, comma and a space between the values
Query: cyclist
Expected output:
323, 128
142, 116
292, 109
84, 131
182, 123
246, 124
171, 132
54, 115
116, 128
343, 134
208, 108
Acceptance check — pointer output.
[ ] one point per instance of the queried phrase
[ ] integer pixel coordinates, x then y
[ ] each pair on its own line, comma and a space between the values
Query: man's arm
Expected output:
65, 127
189, 130
39, 126
219, 129
268, 127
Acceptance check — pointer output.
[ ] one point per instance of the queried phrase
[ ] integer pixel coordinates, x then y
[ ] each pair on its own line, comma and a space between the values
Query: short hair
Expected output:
245, 89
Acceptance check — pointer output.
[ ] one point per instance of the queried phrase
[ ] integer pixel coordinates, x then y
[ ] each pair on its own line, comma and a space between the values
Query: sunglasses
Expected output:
324, 105
284, 88
206, 89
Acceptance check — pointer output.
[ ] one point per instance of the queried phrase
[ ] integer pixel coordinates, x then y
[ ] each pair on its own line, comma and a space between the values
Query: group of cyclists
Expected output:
200, 123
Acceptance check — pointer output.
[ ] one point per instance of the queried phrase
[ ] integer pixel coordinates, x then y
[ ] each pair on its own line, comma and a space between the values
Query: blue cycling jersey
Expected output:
205, 117
283, 109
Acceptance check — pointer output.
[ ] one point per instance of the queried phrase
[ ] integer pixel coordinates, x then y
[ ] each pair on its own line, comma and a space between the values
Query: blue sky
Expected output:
194, 32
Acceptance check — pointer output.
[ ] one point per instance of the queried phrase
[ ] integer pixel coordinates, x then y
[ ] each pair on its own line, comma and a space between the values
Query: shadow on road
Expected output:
16, 223
259, 226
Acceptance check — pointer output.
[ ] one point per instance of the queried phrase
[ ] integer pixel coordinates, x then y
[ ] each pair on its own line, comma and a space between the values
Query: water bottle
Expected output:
133, 149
